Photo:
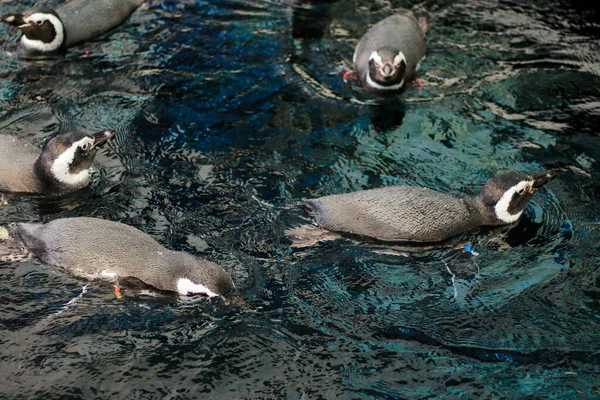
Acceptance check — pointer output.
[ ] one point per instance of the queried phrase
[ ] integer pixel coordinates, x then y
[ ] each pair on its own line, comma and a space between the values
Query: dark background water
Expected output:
229, 113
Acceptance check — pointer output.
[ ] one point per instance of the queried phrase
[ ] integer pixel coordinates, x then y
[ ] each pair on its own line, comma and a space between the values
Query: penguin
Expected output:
63, 165
417, 214
48, 33
390, 53
93, 248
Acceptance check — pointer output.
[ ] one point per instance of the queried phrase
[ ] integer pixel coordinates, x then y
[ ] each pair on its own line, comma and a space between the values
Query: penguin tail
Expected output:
312, 208
308, 235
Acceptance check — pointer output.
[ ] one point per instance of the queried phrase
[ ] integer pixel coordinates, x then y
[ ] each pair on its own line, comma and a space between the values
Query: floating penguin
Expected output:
99, 249
48, 33
62, 166
390, 53
415, 214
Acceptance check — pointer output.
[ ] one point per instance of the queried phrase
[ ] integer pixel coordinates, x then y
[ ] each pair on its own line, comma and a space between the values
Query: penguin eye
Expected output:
85, 147
39, 22
521, 191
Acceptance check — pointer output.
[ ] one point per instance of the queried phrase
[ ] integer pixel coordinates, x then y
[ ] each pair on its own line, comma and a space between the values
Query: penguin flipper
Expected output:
308, 235
424, 24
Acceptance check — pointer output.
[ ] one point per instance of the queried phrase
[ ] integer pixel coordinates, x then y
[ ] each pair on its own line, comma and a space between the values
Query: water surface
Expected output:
231, 112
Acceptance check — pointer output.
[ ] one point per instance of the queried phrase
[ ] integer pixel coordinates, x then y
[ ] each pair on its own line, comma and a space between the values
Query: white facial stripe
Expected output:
38, 44
376, 57
399, 58
375, 85
60, 167
501, 208
186, 287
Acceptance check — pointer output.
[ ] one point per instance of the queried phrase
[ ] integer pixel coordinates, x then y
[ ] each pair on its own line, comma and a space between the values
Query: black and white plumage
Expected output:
47, 33
390, 53
415, 214
61, 167
94, 248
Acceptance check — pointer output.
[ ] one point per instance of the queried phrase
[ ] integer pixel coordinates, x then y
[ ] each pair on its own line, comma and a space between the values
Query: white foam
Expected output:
419, 63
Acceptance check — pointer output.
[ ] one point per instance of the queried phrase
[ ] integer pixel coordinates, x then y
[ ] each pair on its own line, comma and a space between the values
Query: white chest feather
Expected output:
186, 287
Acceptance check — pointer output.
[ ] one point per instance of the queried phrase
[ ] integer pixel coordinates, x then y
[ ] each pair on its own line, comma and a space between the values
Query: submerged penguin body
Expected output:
100, 249
397, 213
390, 53
414, 214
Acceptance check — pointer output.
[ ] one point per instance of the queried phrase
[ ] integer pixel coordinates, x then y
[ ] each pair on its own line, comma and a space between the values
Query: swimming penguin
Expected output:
390, 53
99, 249
48, 33
415, 214
61, 167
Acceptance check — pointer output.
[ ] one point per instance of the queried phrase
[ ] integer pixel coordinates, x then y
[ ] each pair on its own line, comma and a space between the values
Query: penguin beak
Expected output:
386, 70
18, 21
542, 178
14, 20
28, 27
102, 137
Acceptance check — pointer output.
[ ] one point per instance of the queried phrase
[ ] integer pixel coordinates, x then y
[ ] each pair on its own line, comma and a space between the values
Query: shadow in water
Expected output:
387, 115
311, 19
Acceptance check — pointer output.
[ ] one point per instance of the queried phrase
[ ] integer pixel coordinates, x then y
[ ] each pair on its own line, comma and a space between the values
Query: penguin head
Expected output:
43, 31
507, 195
386, 69
66, 159
199, 276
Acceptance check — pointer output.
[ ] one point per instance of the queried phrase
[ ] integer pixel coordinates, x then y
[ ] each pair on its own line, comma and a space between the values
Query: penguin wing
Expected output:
397, 213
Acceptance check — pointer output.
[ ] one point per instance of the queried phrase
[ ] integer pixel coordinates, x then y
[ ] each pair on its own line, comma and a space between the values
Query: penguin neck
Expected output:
168, 270
374, 85
48, 182
487, 215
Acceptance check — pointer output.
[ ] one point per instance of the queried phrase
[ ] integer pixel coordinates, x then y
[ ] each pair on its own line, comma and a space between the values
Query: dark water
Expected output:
229, 113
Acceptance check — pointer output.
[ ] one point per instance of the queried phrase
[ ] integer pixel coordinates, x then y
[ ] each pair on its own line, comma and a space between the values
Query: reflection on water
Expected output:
229, 113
